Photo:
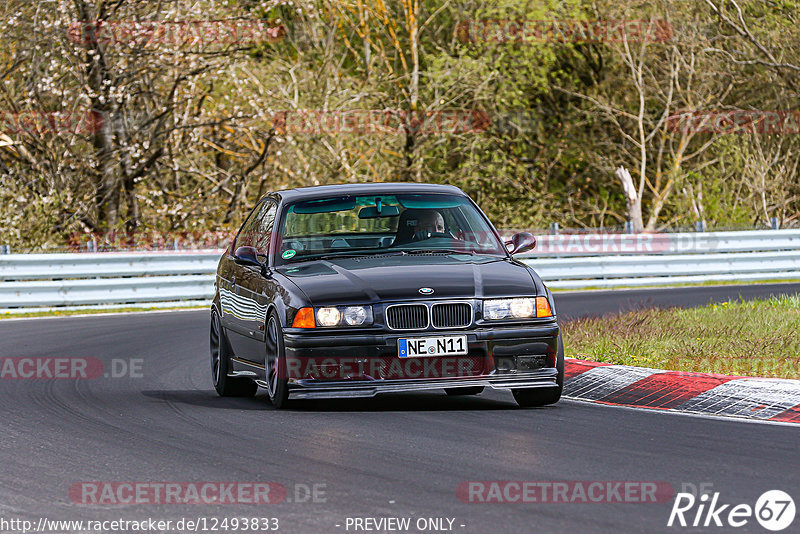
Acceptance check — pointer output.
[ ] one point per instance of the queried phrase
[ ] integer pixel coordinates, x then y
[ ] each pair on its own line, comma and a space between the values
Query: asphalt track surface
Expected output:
392, 456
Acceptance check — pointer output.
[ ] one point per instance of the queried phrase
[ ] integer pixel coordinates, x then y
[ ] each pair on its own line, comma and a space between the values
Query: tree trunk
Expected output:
408, 149
107, 186
634, 201
417, 121
132, 220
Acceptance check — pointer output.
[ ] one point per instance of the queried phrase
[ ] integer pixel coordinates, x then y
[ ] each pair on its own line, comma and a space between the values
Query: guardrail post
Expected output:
776, 225
5, 249
91, 246
554, 228
701, 226
628, 227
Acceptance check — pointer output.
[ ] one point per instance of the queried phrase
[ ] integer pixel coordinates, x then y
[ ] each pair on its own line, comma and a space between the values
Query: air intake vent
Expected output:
452, 315
407, 317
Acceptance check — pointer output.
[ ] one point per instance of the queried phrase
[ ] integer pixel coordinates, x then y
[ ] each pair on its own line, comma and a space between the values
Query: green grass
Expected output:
66, 313
687, 284
745, 338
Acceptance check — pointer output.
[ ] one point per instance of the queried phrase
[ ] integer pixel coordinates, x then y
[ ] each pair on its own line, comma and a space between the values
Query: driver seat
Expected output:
406, 226
410, 222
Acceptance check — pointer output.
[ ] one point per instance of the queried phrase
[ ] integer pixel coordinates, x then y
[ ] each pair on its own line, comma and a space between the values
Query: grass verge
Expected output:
93, 311
744, 338
686, 284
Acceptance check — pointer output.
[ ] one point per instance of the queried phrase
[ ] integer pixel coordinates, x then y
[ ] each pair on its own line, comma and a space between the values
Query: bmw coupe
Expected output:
355, 290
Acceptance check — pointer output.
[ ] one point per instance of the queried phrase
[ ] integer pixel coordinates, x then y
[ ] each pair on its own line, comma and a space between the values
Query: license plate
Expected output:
417, 347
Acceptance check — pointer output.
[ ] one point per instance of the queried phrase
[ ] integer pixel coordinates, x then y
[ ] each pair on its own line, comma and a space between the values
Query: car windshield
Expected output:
384, 224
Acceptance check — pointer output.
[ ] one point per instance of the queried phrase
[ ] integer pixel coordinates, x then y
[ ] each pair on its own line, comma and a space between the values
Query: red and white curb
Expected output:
769, 399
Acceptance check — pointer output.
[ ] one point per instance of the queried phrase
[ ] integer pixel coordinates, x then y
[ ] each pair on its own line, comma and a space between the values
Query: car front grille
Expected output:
452, 315
415, 316
407, 317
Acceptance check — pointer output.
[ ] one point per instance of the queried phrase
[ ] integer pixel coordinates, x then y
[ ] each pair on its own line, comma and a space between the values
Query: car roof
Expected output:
384, 188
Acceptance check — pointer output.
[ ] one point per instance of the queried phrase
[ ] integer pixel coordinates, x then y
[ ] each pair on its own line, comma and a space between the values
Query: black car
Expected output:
354, 290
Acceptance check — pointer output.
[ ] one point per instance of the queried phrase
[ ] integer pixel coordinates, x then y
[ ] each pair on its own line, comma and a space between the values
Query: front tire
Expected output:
531, 397
275, 363
226, 386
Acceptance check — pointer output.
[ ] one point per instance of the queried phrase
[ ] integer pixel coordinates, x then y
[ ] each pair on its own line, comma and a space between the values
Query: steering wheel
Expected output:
431, 235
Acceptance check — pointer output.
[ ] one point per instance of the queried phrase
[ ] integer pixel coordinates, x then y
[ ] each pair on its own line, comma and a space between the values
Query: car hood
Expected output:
397, 278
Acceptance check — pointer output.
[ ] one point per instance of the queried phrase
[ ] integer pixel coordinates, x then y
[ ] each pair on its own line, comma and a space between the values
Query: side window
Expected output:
246, 235
265, 227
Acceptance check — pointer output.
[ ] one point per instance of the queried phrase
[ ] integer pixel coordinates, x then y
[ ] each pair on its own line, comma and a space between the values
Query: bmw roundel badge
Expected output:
426, 290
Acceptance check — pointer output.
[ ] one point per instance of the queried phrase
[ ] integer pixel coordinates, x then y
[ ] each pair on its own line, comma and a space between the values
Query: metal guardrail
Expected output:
106, 264
593, 244
579, 261
31, 281
566, 261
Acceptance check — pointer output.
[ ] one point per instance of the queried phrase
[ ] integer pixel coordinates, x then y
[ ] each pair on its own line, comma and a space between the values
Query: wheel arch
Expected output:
280, 309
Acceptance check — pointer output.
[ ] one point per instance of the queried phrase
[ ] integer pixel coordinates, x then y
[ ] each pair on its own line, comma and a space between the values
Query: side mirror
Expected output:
521, 242
247, 256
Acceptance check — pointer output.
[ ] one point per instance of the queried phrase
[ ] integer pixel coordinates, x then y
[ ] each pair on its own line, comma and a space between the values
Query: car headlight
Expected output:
355, 315
328, 316
517, 308
344, 316
521, 308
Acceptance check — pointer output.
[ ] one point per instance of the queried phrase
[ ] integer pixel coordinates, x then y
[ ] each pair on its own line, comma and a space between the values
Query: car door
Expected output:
253, 291
233, 306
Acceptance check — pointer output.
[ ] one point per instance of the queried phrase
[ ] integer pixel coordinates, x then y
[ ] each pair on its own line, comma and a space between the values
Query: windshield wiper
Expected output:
349, 254
440, 251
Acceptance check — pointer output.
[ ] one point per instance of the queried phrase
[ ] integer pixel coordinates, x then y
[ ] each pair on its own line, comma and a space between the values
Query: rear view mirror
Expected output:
371, 212
522, 242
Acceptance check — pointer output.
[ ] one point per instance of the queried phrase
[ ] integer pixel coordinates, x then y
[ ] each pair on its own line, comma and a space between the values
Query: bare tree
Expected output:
663, 78
138, 83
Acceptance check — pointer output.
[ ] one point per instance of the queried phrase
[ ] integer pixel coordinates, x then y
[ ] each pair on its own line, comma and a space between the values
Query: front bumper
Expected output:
322, 389
499, 357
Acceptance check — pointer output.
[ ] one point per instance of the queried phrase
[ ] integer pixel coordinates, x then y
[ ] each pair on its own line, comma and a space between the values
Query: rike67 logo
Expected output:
774, 510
